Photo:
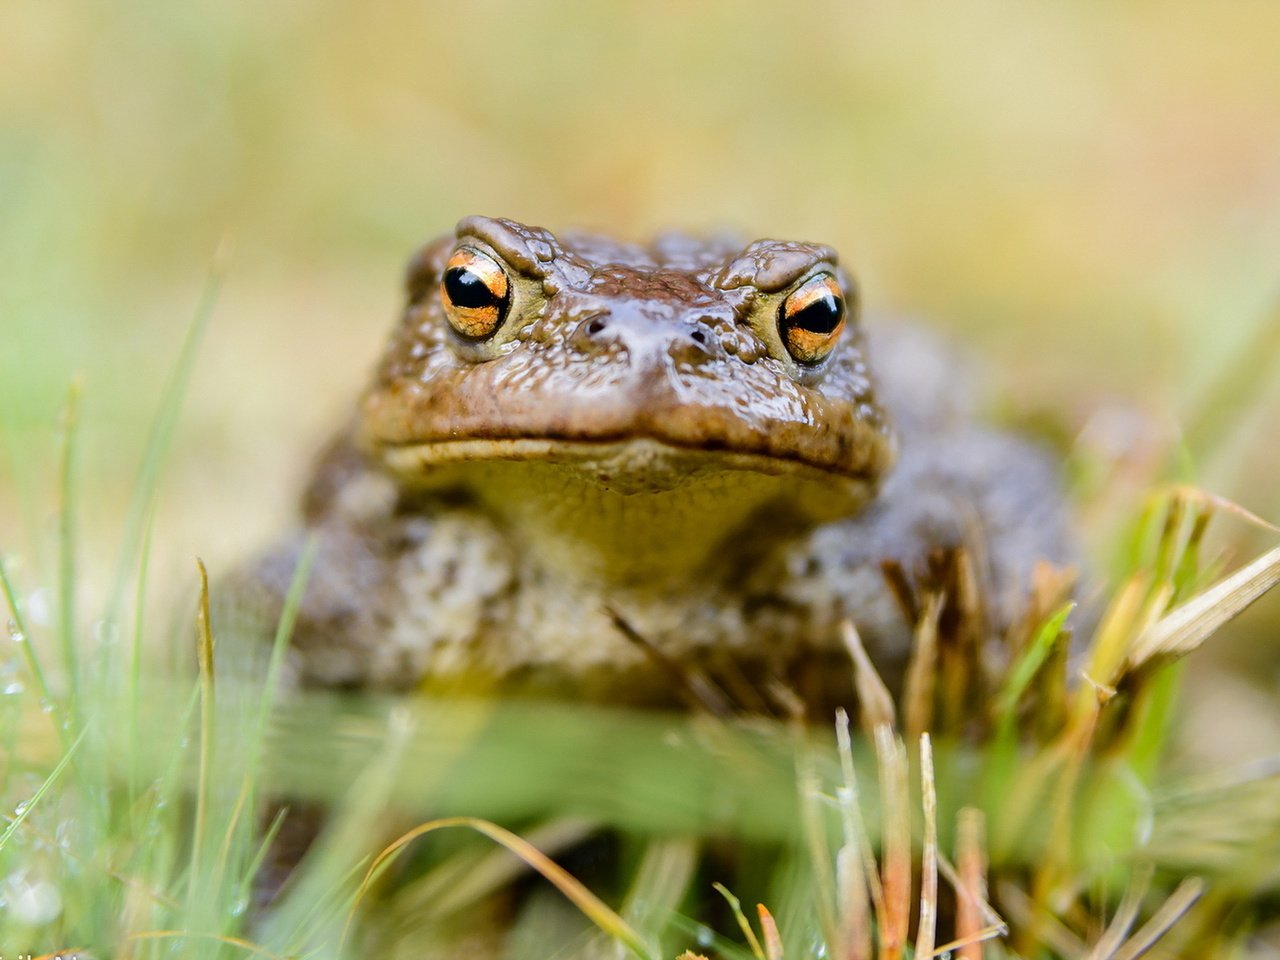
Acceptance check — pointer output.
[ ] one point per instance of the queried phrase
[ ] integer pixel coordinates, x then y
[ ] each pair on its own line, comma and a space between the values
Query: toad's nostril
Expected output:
696, 346
596, 335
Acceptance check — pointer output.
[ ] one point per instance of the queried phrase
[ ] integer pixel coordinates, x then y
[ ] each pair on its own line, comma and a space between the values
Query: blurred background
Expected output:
1088, 194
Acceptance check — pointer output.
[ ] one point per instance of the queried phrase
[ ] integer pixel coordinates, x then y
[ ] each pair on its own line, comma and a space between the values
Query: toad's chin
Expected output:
629, 510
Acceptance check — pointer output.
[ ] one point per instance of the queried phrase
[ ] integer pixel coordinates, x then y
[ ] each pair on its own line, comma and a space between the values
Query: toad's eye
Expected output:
476, 294
811, 318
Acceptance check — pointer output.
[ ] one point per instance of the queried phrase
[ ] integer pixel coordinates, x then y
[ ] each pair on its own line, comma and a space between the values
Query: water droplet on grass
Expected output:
39, 608
36, 904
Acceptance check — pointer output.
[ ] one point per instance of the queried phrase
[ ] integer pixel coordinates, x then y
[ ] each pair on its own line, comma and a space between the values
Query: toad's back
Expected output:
570, 431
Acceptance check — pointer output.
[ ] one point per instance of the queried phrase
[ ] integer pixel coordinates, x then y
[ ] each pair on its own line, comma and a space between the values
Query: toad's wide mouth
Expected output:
643, 426
623, 464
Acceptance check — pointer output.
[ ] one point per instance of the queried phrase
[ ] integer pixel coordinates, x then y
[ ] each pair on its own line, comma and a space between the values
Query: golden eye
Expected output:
811, 318
476, 294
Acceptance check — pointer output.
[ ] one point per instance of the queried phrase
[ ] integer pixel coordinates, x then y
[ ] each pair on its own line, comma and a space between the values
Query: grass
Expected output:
1067, 186
1012, 806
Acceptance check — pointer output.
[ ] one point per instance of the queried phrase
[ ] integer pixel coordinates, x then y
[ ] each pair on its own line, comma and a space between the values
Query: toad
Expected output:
596, 469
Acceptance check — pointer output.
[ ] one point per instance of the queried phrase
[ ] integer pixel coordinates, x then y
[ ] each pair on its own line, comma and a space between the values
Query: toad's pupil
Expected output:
467, 289
821, 316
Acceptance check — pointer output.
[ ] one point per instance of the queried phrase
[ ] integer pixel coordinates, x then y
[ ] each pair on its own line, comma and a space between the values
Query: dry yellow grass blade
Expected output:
1179, 902
1111, 641
875, 703
856, 861
1028, 914
855, 915
769, 929
1126, 915
995, 924
922, 672
971, 888
595, 909
250, 948
895, 918
207, 713
1185, 628
973, 941
927, 927
468, 877
1207, 500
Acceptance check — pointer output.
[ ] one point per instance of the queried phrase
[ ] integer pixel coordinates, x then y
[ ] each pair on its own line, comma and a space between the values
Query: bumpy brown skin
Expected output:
613, 343
636, 437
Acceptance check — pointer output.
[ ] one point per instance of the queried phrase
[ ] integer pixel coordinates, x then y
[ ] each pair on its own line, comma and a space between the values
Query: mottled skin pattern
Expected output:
636, 437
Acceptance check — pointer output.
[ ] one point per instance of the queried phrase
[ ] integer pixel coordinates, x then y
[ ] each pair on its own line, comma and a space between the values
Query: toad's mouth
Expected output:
625, 464
646, 439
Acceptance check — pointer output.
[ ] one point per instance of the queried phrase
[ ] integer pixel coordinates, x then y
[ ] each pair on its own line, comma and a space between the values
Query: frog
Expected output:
626, 472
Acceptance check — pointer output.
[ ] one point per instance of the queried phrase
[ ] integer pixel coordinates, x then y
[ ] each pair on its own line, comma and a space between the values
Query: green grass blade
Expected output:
280, 644
708, 939
133, 681
160, 437
204, 785
21, 635
67, 552
260, 857
49, 781
735, 905
1024, 671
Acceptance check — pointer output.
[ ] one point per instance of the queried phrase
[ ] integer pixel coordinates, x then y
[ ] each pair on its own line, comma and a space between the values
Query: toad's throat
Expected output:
635, 513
